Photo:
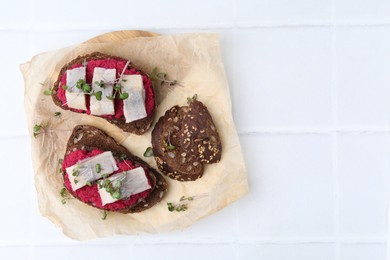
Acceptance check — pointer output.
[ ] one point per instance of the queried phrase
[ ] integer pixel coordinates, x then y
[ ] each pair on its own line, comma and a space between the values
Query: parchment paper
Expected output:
192, 59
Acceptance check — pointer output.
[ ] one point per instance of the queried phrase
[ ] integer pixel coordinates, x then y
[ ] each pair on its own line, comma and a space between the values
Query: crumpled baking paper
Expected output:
195, 61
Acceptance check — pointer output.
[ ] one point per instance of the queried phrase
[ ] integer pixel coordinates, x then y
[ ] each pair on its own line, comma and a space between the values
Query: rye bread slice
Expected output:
89, 138
185, 139
137, 127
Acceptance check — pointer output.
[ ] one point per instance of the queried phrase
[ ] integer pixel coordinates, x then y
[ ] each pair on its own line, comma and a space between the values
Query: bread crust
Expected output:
138, 127
89, 138
192, 133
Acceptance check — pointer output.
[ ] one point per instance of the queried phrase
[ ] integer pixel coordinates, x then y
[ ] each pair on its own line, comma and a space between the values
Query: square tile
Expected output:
363, 252
97, 252
290, 187
16, 193
180, 251
15, 252
283, 11
15, 14
12, 80
362, 78
50, 40
282, 78
364, 184
137, 14
307, 251
362, 11
80, 14
179, 14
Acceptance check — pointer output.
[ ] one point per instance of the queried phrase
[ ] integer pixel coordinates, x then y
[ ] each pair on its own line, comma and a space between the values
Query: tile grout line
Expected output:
335, 134
32, 243
281, 131
236, 216
238, 25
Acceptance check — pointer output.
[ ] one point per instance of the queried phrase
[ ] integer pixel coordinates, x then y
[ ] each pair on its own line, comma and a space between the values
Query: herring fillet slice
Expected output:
134, 105
87, 169
104, 106
131, 182
75, 97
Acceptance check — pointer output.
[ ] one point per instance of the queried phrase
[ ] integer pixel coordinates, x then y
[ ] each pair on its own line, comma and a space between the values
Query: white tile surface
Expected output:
12, 80
291, 191
15, 193
363, 252
188, 251
286, 251
81, 252
310, 87
283, 11
283, 78
15, 252
167, 13
74, 14
362, 80
362, 11
51, 40
15, 14
124, 14
364, 184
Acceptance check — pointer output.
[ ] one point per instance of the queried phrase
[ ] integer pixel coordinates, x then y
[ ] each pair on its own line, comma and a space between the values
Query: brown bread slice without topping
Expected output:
89, 138
137, 127
184, 139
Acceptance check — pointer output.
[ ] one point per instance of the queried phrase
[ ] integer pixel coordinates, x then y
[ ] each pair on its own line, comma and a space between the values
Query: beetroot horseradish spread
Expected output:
117, 64
90, 194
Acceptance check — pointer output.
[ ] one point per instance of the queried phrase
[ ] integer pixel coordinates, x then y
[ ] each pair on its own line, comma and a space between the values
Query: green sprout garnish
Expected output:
194, 97
162, 78
47, 92
169, 146
183, 206
57, 114
100, 84
98, 95
123, 95
98, 168
148, 152
104, 215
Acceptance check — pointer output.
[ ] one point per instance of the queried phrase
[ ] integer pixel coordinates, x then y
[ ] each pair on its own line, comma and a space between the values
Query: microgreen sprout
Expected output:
194, 97
104, 215
161, 77
39, 128
100, 84
112, 189
98, 168
123, 95
168, 143
64, 193
60, 165
169, 146
148, 152
57, 114
47, 92
181, 206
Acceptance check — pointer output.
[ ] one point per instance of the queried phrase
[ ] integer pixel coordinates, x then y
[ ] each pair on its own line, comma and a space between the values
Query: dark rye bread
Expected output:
185, 139
89, 138
137, 127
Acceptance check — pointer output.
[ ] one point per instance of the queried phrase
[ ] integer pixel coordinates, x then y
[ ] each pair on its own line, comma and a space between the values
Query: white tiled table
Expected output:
310, 83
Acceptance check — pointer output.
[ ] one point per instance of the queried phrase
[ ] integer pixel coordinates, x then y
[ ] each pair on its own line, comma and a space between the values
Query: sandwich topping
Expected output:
98, 178
109, 88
